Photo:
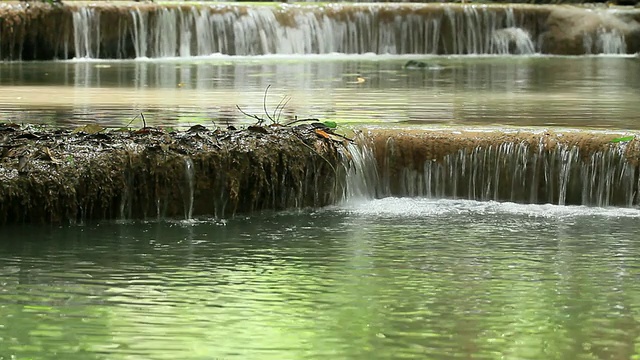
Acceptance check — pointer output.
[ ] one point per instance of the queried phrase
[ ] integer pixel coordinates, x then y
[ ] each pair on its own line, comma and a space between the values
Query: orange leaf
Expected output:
323, 134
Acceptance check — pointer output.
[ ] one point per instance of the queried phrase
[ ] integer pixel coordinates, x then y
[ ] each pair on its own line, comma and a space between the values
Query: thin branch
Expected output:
132, 120
300, 120
282, 108
342, 136
277, 107
264, 104
260, 120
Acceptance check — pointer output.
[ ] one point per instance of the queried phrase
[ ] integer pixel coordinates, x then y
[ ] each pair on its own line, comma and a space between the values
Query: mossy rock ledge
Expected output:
69, 176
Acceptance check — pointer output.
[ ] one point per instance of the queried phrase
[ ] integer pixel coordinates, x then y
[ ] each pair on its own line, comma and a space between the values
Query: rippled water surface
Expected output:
597, 92
383, 279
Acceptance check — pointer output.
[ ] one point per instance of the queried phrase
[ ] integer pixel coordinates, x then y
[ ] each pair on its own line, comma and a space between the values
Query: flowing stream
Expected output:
593, 92
424, 276
371, 279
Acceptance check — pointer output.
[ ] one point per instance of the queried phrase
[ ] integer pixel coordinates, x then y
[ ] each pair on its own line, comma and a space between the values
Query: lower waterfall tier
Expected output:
53, 176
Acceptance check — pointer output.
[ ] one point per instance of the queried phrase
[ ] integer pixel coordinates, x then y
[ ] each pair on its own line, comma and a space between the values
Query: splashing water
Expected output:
513, 41
361, 172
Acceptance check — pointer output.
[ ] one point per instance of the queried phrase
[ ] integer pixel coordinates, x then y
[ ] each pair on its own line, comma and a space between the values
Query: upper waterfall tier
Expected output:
104, 30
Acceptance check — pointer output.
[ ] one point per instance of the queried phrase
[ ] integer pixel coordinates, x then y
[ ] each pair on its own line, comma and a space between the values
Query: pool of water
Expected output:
596, 92
372, 279
376, 279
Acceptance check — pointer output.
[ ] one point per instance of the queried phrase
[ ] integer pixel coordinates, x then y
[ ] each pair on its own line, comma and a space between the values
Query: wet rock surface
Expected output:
90, 173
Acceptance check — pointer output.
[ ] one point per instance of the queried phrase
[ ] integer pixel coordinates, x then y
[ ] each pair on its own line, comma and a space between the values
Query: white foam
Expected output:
424, 207
338, 56
307, 57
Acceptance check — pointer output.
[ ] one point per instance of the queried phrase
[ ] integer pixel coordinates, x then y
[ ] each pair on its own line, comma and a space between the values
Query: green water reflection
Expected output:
342, 284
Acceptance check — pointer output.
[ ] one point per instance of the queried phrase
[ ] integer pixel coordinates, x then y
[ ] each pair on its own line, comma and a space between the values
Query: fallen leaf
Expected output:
623, 139
88, 129
330, 124
323, 134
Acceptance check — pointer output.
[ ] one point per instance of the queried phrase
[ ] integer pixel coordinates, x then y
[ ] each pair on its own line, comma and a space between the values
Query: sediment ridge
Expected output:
105, 30
53, 176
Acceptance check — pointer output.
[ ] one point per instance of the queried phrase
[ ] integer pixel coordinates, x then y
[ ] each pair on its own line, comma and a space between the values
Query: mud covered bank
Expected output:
53, 176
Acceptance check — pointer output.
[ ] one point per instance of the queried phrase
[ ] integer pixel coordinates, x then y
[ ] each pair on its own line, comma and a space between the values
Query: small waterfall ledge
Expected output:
54, 176
565, 168
131, 30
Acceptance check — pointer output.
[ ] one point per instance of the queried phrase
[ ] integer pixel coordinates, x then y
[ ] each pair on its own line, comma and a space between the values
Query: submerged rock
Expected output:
53, 175
421, 65
414, 64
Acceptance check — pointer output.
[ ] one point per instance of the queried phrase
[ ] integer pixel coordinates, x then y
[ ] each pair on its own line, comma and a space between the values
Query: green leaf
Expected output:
330, 124
623, 139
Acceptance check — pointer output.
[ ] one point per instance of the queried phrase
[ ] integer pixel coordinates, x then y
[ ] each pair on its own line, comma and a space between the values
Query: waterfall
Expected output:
361, 174
527, 168
139, 28
512, 40
201, 30
189, 191
607, 42
102, 30
86, 31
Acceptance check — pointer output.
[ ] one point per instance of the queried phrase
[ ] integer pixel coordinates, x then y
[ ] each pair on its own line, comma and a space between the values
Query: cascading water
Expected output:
139, 33
101, 30
512, 41
86, 31
505, 172
564, 169
606, 42
189, 188
183, 31
361, 175
547, 170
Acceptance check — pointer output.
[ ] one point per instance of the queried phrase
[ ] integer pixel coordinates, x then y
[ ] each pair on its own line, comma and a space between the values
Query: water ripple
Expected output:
446, 279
